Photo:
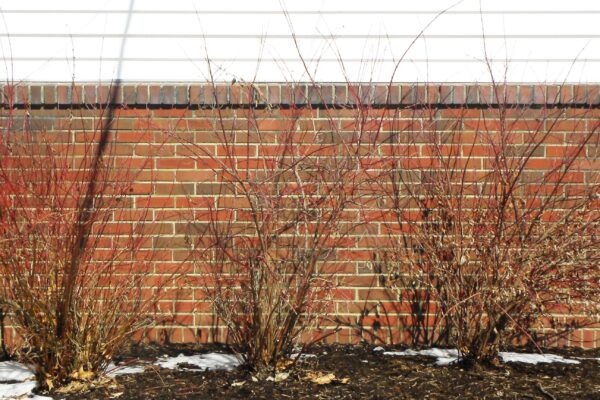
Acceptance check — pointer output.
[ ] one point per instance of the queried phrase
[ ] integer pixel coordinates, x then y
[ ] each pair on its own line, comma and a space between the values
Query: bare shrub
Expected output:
496, 221
73, 247
284, 207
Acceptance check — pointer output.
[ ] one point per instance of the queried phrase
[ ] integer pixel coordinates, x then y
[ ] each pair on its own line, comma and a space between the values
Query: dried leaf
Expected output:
284, 364
281, 376
83, 375
320, 378
74, 387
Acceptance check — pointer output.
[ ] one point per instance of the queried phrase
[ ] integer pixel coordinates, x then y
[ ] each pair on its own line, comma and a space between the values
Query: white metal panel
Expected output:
335, 6
437, 40
327, 50
199, 24
169, 71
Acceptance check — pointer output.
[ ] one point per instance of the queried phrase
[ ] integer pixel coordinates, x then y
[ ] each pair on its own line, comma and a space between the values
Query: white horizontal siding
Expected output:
524, 41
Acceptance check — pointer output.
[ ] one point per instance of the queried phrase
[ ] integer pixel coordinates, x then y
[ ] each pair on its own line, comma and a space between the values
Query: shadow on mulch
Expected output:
372, 376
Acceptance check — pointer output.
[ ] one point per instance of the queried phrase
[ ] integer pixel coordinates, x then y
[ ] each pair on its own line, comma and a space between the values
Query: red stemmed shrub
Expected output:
496, 221
73, 248
281, 216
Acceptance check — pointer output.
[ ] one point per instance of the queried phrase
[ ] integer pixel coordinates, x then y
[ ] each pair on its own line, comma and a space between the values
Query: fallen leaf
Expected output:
281, 376
74, 387
284, 364
320, 378
83, 375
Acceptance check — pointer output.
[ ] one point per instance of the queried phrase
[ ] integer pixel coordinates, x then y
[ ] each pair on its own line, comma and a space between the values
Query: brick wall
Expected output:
159, 120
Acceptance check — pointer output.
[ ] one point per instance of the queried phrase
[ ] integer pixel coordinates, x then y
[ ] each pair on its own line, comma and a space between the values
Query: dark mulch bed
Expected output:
372, 376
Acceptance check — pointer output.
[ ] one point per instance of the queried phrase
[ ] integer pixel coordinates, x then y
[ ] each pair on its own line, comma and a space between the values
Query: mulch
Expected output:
372, 376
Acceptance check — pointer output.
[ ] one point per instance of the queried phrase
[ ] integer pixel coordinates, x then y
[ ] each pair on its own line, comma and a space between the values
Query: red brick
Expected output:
181, 186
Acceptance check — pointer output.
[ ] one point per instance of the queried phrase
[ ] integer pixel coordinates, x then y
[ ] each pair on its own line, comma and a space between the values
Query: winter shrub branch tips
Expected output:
269, 242
497, 223
74, 257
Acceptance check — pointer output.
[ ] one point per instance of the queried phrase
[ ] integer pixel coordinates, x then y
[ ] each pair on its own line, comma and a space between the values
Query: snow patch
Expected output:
14, 371
444, 356
449, 356
22, 381
209, 361
117, 370
534, 358
302, 356
13, 390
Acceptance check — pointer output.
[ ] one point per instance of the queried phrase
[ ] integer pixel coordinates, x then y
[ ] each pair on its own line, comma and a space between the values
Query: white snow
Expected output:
302, 356
449, 356
13, 390
14, 371
22, 381
587, 358
208, 361
444, 356
117, 370
528, 358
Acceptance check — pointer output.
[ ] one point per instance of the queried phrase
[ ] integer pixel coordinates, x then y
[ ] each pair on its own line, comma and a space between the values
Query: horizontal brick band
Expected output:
286, 95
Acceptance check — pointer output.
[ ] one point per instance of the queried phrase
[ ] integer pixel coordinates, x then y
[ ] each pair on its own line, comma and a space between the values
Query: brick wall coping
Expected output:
285, 95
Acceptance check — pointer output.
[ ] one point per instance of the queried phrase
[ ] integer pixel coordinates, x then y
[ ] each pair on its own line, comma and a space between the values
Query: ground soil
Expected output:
372, 376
